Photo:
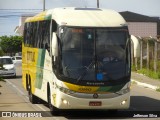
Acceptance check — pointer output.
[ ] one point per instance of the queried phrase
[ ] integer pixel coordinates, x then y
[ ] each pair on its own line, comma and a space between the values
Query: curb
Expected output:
145, 84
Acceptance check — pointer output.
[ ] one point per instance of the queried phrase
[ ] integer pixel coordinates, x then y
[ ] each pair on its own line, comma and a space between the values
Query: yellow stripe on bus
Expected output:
84, 89
38, 17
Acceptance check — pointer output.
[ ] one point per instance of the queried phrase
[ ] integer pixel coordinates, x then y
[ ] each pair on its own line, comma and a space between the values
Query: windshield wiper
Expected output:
85, 72
87, 68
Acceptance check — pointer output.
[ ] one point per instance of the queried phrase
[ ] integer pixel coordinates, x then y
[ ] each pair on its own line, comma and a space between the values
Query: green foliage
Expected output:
152, 65
150, 73
1, 68
1, 52
11, 44
151, 42
158, 89
133, 68
133, 83
1, 79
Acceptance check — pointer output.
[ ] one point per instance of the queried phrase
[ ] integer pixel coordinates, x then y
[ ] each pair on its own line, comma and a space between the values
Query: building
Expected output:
19, 29
141, 25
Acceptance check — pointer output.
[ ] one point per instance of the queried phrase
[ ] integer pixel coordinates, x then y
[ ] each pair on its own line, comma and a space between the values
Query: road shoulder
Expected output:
145, 81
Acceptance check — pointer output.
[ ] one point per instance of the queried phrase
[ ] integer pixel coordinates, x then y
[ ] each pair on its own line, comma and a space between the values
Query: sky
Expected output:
11, 10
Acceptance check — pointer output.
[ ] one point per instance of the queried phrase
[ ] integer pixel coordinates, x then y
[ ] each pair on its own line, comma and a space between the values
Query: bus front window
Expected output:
78, 53
111, 53
93, 54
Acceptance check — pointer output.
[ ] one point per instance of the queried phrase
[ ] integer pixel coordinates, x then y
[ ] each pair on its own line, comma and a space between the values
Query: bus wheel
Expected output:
32, 98
53, 110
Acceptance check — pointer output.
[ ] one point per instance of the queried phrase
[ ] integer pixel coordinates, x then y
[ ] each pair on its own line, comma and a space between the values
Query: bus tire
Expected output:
53, 110
27, 84
32, 98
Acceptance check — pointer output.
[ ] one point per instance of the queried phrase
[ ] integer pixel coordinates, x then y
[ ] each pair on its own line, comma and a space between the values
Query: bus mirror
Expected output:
54, 45
136, 46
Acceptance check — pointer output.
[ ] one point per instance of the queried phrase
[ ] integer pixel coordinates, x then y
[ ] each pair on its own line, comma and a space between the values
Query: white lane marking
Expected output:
22, 93
15, 87
40, 107
145, 85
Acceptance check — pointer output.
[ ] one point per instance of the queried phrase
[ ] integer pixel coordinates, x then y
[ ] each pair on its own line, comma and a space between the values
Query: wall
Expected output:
143, 29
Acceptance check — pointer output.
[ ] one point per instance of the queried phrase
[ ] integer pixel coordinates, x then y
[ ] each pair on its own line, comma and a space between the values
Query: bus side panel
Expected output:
40, 68
37, 66
44, 74
30, 56
24, 66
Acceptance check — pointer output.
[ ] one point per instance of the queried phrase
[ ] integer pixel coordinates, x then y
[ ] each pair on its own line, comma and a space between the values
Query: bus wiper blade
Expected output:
85, 72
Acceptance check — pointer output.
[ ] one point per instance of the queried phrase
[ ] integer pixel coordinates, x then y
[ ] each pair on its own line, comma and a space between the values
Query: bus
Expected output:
77, 58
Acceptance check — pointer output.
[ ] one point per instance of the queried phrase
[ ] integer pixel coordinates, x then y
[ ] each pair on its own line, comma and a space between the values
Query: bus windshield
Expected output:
94, 54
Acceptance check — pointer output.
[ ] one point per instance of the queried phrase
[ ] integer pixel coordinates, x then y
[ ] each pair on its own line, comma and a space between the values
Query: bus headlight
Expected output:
65, 101
123, 91
123, 102
64, 90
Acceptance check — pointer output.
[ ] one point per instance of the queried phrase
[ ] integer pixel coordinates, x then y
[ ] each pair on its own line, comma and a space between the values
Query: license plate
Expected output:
95, 103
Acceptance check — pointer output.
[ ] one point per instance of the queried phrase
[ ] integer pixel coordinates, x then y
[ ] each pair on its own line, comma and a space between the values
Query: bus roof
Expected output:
87, 17
39, 17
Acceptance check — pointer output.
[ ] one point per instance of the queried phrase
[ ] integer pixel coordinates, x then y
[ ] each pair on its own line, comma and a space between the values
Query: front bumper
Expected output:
65, 101
7, 73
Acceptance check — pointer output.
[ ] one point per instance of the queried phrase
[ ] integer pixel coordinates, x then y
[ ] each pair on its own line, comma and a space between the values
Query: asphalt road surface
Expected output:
143, 100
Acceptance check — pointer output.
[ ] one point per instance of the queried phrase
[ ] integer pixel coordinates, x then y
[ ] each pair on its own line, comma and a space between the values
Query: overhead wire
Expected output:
7, 16
21, 9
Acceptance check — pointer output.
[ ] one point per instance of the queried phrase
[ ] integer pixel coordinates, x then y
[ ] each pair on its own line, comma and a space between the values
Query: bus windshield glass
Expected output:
94, 54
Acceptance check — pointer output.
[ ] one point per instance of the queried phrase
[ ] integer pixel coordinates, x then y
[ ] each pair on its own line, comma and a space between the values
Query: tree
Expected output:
1, 52
11, 44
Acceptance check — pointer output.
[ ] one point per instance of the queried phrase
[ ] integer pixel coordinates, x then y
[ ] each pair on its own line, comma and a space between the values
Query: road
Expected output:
16, 99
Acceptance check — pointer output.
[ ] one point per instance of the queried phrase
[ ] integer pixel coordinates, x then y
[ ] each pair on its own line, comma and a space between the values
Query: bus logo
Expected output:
95, 95
85, 89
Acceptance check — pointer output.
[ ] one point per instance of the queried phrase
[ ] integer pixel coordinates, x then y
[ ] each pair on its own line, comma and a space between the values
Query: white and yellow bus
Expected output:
77, 58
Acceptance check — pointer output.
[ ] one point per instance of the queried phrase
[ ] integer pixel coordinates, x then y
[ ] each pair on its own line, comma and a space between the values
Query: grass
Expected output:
133, 68
1, 79
158, 89
150, 73
133, 82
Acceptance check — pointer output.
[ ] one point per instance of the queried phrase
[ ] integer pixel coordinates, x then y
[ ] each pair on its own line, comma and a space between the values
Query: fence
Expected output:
149, 54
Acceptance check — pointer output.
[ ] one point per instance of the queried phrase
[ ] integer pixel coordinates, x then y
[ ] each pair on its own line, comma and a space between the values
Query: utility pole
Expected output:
155, 55
97, 3
43, 5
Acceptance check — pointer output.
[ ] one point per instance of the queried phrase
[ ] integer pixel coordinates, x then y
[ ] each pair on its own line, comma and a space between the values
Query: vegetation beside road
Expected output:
148, 72
10, 44
158, 89
1, 79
